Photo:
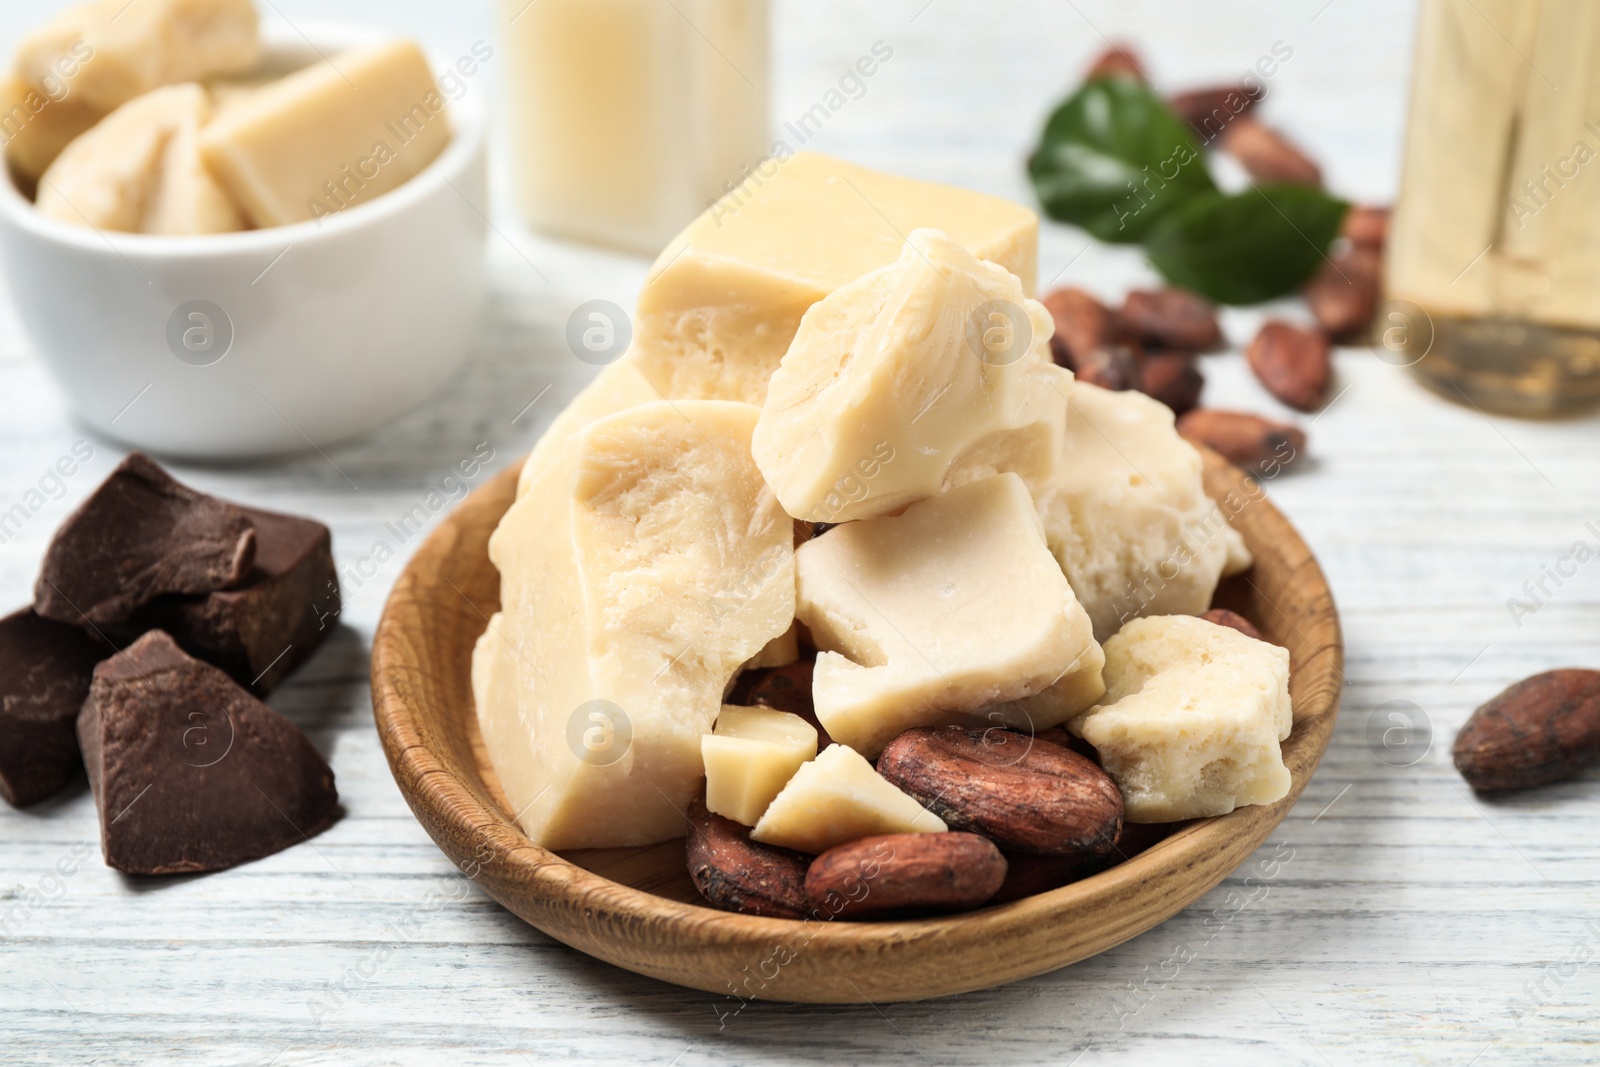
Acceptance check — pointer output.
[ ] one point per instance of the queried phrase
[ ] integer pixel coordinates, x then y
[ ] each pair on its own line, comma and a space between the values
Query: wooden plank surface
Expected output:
1407, 922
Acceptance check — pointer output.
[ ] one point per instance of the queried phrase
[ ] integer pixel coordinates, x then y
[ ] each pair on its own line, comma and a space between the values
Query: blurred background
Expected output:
969, 88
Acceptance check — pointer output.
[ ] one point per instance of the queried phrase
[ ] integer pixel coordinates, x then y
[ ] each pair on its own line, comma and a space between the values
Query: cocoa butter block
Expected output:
45, 668
273, 621
140, 535
190, 772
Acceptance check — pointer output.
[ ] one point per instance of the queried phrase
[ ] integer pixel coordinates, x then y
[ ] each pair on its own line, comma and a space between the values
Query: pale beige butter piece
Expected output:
226, 92
1127, 516
725, 298
618, 387
893, 379
779, 652
953, 612
837, 798
186, 199
750, 756
1192, 719
118, 50
36, 125
108, 177
338, 133
644, 565
723, 301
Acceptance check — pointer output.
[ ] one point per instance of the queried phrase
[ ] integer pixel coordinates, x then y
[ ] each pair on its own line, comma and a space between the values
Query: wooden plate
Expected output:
635, 907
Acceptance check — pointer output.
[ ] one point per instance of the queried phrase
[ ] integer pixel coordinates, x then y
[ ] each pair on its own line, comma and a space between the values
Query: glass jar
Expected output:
1495, 239
629, 117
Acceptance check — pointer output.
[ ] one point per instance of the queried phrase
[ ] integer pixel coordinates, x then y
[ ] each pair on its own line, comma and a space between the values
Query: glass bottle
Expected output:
1493, 261
629, 117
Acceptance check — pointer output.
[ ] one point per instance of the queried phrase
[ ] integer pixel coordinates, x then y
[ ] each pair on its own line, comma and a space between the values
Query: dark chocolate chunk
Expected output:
141, 534
273, 621
45, 668
190, 772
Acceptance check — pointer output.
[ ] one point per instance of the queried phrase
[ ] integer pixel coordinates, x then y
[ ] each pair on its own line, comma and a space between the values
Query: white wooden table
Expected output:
1413, 923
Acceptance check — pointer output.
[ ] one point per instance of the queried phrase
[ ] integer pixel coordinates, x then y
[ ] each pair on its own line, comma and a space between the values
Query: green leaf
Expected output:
1114, 159
1248, 247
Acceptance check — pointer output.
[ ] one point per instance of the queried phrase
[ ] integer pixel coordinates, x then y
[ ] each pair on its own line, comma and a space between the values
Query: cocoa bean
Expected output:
1343, 294
1541, 730
1233, 621
898, 872
1083, 324
735, 873
1267, 155
1366, 225
1117, 61
1171, 318
1026, 794
1251, 442
1114, 367
1173, 378
1209, 110
1293, 363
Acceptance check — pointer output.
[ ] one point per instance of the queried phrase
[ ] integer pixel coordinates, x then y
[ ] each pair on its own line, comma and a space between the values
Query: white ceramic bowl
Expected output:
336, 326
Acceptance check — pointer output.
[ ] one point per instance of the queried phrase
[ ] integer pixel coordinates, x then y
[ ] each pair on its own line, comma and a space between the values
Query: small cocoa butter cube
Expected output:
1193, 719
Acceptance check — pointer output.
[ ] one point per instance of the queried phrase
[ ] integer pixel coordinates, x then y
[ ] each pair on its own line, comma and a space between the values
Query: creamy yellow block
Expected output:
333, 135
110, 177
953, 612
186, 199
109, 52
36, 124
779, 652
837, 798
725, 298
1127, 516
894, 379
1192, 721
617, 387
750, 756
645, 564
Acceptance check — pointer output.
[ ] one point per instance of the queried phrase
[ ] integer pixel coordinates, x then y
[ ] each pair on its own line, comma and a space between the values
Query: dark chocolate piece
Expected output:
140, 535
190, 772
267, 627
45, 668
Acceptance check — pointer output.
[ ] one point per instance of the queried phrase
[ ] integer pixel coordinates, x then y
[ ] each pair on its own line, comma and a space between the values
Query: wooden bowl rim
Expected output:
435, 791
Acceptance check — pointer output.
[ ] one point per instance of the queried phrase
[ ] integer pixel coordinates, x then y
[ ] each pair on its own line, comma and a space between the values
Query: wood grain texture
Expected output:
629, 908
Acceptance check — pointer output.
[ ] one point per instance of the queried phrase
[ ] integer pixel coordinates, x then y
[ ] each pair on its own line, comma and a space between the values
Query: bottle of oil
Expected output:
630, 117
1494, 251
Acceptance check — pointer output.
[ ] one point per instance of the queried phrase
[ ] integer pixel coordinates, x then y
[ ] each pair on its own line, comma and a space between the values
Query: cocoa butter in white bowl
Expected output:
264, 341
